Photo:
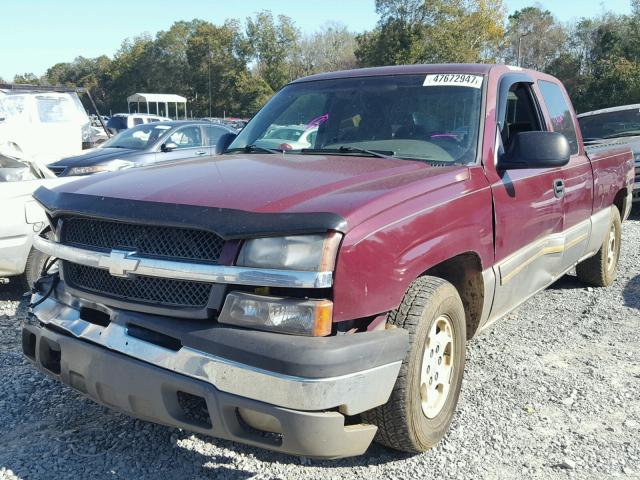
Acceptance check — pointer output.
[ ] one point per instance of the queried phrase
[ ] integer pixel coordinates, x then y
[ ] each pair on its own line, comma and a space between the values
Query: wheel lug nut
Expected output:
437, 348
428, 368
439, 360
430, 380
436, 375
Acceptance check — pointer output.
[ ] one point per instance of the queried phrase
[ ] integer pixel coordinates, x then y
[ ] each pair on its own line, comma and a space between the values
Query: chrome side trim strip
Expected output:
567, 248
353, 393
554, 244
121, 264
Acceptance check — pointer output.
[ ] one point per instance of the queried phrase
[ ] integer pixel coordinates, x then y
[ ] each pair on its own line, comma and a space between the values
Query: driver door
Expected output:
528, 213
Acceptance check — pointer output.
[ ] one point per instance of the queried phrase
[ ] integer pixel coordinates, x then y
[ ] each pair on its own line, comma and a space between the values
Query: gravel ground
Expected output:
550, 392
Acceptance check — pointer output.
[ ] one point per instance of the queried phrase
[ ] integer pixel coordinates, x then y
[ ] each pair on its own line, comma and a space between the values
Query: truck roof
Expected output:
472, 68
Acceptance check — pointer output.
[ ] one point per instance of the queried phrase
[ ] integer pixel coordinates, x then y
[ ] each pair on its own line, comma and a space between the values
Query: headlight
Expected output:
316, 253
111, 166
282, 315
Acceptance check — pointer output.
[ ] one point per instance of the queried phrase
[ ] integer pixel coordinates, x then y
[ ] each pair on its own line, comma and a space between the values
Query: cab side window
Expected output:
560, 112
521, 114
188, 137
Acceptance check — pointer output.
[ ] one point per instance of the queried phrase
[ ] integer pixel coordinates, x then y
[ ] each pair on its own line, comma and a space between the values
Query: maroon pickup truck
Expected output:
311, 293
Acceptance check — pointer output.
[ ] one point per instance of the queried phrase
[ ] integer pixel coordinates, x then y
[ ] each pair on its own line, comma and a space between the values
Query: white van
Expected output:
42, 125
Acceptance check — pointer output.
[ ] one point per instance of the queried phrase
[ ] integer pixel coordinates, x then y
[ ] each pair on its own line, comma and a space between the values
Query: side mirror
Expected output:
168, 147
224, 141
535, 150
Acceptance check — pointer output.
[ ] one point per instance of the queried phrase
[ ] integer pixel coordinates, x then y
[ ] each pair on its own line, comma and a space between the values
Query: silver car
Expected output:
148, 144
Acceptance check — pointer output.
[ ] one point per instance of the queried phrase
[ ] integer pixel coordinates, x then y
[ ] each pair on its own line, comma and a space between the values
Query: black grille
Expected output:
57, 170
161, 291
152, 240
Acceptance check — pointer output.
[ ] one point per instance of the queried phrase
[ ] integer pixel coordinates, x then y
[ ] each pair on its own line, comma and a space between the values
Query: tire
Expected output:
601, 269
403, 423
32, 270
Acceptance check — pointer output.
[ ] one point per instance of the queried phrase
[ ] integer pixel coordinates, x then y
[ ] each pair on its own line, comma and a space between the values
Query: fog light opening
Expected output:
194, 409
263, 425
49, 353
29, 344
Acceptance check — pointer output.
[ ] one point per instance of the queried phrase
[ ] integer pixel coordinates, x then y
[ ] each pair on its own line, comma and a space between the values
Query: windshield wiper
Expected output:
345, 149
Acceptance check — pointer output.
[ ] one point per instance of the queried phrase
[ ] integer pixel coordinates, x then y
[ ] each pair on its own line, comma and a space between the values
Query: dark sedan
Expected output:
147, 144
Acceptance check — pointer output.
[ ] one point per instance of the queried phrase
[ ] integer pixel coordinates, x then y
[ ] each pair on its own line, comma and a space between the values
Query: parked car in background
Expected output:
21, 218
146, 144
122, 121
233, 122
42, 125
615, 126
289, 137
307, 301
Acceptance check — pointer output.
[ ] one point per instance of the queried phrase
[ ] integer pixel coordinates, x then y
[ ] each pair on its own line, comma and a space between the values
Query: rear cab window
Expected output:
560, 112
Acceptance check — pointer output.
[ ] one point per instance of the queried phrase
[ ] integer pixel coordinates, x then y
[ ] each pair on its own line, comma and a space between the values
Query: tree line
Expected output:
244, 63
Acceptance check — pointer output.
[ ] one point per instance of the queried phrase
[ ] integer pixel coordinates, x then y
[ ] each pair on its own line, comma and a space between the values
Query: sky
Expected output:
36, 34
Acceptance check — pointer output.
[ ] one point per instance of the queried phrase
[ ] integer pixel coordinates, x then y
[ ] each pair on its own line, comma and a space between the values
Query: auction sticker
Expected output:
453, 80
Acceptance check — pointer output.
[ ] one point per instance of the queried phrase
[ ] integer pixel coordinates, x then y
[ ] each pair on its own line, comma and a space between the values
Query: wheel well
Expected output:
464, 272
619, 201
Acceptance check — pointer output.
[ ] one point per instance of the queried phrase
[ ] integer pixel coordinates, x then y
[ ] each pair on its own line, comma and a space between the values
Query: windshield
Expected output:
433, 117
611, 124
137, 138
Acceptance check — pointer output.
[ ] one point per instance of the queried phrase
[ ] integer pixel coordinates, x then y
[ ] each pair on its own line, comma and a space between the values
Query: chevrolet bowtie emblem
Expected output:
119, 263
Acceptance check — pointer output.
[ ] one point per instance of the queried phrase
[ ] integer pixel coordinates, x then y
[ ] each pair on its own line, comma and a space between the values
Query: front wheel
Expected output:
426, 392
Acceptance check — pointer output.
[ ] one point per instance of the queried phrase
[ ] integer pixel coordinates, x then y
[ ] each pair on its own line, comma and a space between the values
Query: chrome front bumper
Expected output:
154, 394
351, 393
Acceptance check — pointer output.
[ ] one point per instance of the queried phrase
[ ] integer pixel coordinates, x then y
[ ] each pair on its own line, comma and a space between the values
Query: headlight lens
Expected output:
316, 253
283, 315
112, 166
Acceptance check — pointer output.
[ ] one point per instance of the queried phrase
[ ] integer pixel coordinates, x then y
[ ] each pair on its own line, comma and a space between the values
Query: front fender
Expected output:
380, 258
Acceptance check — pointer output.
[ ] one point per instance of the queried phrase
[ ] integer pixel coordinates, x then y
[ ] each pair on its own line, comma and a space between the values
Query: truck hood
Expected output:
352, 187
95, 156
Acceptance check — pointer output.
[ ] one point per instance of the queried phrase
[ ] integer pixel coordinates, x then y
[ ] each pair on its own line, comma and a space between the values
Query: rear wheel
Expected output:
601, 269
426, 392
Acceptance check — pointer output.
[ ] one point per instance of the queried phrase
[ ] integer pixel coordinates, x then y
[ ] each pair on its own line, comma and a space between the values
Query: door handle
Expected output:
201, 152
558, 188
